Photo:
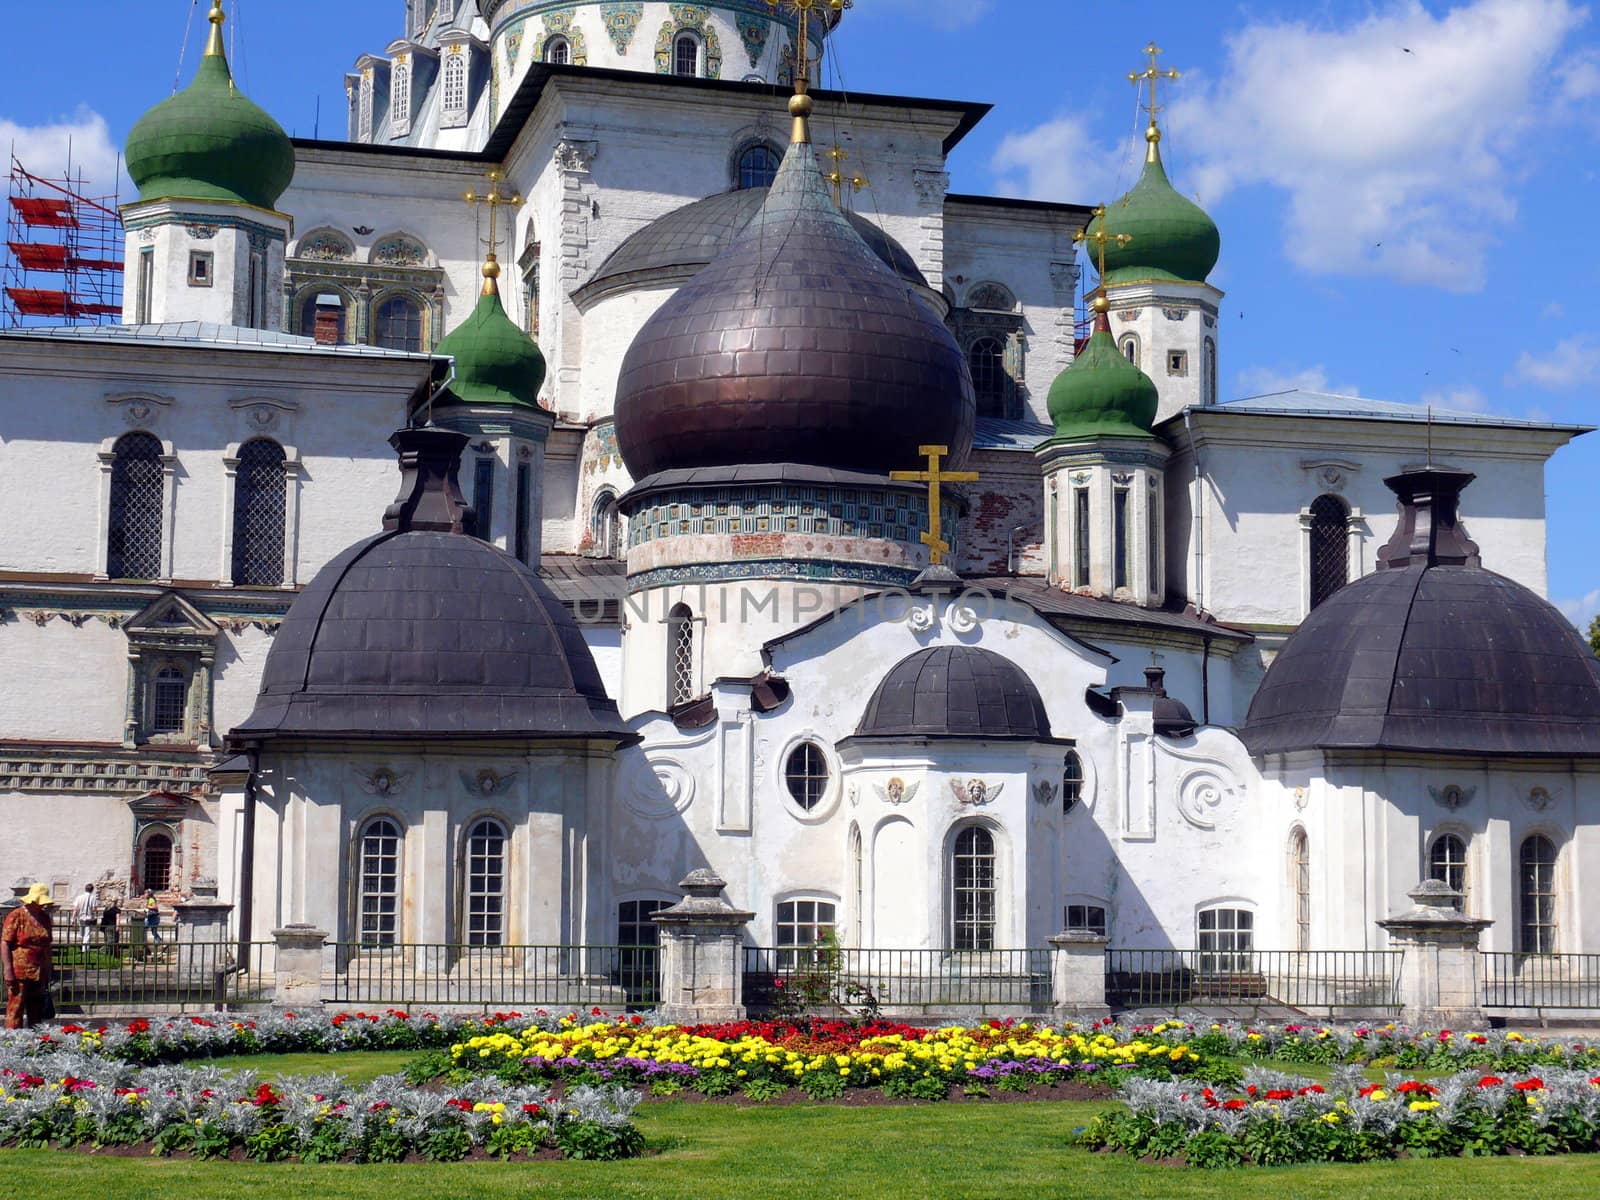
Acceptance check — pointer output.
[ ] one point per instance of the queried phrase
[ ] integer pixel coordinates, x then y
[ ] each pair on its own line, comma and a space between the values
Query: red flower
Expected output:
265, 1097
1280, 1094
531, 1109
1235, 1105
379, 1106
463, 1105
1530, 1085
1490, 1081
139, 1026
1412, 1085
1369, 1089
1312, 1089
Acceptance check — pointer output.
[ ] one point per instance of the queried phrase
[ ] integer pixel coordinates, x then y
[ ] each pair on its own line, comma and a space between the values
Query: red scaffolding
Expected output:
63, 260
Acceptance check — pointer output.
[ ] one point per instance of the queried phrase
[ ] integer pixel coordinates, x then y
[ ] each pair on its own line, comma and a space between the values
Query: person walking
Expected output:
25, 938
152, 916
110, 935
83, 913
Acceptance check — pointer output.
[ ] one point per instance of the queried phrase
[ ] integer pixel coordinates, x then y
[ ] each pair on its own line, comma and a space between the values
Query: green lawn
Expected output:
358, 1067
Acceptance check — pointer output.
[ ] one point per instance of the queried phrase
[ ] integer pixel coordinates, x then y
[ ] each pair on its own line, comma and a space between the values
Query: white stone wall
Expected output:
1167, 319
177, 230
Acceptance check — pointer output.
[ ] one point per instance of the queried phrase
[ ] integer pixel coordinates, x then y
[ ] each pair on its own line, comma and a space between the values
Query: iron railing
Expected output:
410, 974
1540, 980
170, 975
896, 980
1302, 979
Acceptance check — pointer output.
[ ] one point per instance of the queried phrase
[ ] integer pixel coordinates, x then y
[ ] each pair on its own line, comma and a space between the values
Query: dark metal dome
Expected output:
956, 691
422, 631
1433, 653
796, 345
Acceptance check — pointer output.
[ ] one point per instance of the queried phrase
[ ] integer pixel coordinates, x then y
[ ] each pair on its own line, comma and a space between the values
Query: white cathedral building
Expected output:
1192, 673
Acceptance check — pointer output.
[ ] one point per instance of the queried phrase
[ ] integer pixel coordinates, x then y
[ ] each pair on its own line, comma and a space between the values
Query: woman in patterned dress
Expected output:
25, 954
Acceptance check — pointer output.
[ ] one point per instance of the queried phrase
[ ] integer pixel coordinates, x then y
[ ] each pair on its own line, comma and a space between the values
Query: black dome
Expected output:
796, 345
424, 632
956, 691
1432, 656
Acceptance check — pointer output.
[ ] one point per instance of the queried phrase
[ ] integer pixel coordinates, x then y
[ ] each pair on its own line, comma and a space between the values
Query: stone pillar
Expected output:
298, 967
702, 953
204, 951
1078, 976
1439, 964
19, 889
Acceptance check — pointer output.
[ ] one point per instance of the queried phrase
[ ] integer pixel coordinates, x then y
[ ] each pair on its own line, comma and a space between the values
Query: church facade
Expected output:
650, 597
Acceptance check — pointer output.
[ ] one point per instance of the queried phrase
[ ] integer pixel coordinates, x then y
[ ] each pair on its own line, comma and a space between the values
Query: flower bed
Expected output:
1389, 1045
1278, 1119
824, 1058
66, 1098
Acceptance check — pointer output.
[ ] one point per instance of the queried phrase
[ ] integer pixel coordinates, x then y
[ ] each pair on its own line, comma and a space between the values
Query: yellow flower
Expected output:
1421, 1105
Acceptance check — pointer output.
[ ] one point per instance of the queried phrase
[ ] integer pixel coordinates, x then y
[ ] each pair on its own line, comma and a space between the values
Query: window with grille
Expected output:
558, 51
400, 98
1071, 781
1537, 896
758, 167
1300, 873
258, 515
972, 883
987, 361
398, 325
1330, 547
483, 499
1447, 862
638, 959
1080, 537
1227, 938
364, 110
524, 530
133, 539
455, 81
1119, 537
806, 774
379, 883
680, 655
1086, 918
801, 924
486, 884
169, 700
606, 527
686, 56
155, 862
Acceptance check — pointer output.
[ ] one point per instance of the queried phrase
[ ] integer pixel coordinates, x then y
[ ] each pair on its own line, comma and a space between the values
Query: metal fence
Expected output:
897, 980
169, 974
1539, 981
1302, 979
443, 974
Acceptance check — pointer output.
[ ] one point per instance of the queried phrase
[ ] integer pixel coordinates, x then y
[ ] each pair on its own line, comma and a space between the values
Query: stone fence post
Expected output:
297, 967
1078, 976
204, 951
1439, 963
702, 951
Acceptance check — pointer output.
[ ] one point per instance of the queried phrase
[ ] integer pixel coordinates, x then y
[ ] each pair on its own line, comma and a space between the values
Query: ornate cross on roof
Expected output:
1153, 74
837, 177
493, 198
933, 477
1098, 239
800, 105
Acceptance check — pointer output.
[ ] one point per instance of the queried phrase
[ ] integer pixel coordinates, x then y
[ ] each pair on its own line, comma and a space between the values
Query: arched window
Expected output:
806, 775
680, 655
486, 883
1208, 382
605, 526
758, 167
455, 81
1536, 889
155, 862
133, 535
398, 325
858, 885
987, 360
1071, 781
169, 700
686, 55
258, 514
558, 51
1330, 547
1300, 877
378, 883
400, 97
972, 887
1129, 346
1447, 862
308, 315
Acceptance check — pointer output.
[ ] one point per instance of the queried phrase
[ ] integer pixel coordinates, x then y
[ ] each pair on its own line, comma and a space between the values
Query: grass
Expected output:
719, 1152
362, 1066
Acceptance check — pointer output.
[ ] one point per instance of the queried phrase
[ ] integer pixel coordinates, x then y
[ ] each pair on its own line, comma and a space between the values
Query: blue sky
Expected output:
1405, 191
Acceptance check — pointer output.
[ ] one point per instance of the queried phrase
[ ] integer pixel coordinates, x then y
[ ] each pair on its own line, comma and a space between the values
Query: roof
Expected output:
1049, 601
956, 691
995, 433
1078, 212
1298, 402
593, 586
191, 333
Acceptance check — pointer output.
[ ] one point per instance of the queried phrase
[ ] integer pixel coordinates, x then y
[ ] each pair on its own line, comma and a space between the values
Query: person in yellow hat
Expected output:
25, 939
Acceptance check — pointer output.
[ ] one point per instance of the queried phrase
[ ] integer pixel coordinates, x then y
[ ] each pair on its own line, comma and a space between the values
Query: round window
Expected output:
806, 773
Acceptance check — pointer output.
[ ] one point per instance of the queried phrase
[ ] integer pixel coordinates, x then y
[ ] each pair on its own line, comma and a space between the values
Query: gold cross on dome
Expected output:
837, 177
494, 198
1152, 74
802, 10
1099, 238
933, 477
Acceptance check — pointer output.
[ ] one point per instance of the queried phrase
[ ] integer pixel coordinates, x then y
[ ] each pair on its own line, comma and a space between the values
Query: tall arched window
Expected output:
258, 515
686, 55
1447, 862
558, 51
1071, 781
400, 97
398, 324
1208, 378
1300, 877
858, 887
155, 862
680, 654
455, 80
1536, 890
1330, 547
133, 534
378, 883
486, 883
1130, 347
169, 701
972, 887
987, 360
606, 525
758, 167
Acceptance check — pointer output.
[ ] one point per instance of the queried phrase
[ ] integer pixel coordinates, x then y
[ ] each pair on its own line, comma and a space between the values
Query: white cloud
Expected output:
1060, 160
1264, 381
1574, 362
1459, 399
1582, 610
83, 137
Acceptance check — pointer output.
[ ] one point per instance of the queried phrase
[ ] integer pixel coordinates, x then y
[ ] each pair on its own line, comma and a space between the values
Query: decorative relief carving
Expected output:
382, 782
326, 245
1175, 314
558, 23
574, 156
1330, 474
694, 18
140, 409
1452, 796
199, 232
1200, 795
657, 786
975, 792
921, 618
399, 251
1044, 792
487, 782
621, 20
1540, 799
1129, 314
897, 791
961, 618
45, 773
753, 31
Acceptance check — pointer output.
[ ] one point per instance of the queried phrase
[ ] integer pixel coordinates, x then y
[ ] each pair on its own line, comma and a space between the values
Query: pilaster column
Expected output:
702, 952
931, 186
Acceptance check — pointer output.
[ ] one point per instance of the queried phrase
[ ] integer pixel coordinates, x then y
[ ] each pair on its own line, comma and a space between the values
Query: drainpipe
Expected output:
1205, 681
1198, 534
1011, 540
247, 858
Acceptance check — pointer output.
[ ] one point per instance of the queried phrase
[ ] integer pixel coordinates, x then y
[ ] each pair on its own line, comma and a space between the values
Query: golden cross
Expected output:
1153, 73
1100, 237
837, 178
494, 198
933, 477
800, 104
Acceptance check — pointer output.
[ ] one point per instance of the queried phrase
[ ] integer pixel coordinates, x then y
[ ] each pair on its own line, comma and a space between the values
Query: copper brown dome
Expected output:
796, 345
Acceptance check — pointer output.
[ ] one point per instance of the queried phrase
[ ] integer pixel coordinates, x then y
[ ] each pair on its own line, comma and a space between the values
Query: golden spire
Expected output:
836, 177
214, 48
494, 198
1154, 74
1099, 238
800, 104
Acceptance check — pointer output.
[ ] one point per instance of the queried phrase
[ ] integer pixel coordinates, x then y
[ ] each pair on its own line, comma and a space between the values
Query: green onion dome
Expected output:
1169, 237
1102, 394
496, 362
209, 142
